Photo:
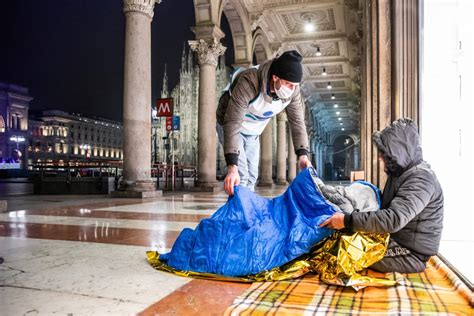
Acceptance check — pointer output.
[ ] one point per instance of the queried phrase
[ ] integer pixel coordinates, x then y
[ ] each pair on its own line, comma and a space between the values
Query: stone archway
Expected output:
346, 148
240, 29
260, 46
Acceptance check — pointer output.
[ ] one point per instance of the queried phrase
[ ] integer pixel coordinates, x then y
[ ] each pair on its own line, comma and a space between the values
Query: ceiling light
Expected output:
329, 85
324, 71
340, 123
339, 118
342, 129
336, 105
318, 51
333, 97
337, 113
308, 27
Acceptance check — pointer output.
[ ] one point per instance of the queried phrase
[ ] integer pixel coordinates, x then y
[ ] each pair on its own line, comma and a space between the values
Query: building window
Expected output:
447, 75
2, 124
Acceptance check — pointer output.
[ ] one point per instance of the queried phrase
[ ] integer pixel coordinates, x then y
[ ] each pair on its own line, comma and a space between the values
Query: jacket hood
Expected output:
400, 141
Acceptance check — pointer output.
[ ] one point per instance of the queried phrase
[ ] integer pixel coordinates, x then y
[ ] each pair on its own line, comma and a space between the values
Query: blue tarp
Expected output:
250, 234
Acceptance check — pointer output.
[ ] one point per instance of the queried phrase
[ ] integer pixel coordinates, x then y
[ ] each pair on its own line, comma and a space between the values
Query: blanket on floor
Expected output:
437, 290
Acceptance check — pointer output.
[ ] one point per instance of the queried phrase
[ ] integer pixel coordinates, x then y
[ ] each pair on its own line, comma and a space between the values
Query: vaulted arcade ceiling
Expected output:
327, 33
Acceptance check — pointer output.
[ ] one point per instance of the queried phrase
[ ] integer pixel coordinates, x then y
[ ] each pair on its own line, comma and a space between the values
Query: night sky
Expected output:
70, 53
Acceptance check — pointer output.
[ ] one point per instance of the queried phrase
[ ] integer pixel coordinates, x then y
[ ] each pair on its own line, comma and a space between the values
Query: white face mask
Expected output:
284, 92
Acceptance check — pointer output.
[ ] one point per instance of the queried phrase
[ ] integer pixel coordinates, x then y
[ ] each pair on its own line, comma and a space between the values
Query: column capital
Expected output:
208, 52
140, 6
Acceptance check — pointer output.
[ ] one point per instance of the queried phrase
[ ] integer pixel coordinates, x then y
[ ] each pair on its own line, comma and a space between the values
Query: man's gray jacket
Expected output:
412, 204
251, 83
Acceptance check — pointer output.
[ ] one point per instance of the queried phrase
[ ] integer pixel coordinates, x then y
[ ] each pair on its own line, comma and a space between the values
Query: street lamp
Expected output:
154, 133
86, 148
17, 139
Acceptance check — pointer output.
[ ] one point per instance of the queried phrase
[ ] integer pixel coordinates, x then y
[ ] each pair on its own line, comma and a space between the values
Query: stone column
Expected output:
137, 98
208, 53
357, 156
281, 149
405, 17
376, 96
317, 152
266, 160
322, 160
291, 158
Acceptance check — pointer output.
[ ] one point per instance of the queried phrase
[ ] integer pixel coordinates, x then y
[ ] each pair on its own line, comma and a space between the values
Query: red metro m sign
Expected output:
164, 107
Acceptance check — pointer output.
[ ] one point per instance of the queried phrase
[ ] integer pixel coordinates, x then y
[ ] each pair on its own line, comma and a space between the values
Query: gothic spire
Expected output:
183, 59
164, 90
190, 61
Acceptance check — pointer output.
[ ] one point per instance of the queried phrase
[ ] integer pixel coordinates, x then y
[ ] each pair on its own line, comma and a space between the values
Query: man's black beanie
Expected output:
288, 66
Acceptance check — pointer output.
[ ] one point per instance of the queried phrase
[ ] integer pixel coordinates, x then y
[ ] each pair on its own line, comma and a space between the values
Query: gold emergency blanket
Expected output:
337, 260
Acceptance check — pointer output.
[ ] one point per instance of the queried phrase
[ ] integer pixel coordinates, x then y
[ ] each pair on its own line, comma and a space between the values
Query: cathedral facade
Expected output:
185, 96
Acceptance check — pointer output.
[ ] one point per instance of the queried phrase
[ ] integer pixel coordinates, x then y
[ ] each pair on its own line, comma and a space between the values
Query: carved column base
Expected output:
282, 182
265, 184
208, 186
140, 189
138, 185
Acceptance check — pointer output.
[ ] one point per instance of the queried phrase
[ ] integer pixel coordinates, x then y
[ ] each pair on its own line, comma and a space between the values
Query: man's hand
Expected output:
304, 162
232, 179
334, 222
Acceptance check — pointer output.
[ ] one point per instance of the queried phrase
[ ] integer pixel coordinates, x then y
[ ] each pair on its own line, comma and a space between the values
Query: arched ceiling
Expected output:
279, 25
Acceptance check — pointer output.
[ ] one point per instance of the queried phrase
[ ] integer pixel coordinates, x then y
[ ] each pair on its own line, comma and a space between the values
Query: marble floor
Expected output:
86, 255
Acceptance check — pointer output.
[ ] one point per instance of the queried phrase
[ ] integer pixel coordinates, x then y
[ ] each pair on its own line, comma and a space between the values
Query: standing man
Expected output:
412, 203
254, 97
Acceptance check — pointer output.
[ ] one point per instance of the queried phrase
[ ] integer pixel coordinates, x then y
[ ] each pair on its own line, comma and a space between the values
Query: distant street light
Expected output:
17, 139
86, 148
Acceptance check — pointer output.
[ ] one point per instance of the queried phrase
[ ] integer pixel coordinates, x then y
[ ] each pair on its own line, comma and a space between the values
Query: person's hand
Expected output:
304, 162
334, 222
232, 179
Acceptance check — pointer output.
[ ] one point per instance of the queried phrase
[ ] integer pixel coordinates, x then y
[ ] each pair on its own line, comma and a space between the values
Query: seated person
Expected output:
412, 203
251, 234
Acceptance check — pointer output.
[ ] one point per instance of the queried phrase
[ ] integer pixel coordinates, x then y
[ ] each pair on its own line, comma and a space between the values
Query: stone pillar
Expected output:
319, 166
322, 159
376, 111
329, 156
137, 98
357, 156
405, 54
291, 158
266, 161
208, 53
281, 149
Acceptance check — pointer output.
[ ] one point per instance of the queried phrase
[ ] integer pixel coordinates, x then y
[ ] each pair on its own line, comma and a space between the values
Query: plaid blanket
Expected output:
435, 291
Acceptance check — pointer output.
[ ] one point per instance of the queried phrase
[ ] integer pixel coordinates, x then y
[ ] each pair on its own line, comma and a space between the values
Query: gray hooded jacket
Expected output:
412, 203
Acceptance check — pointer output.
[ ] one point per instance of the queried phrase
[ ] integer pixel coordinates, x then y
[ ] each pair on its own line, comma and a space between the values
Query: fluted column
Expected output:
291, 158
208, 53
317, 151
137, 96
376, 107
405, 55
266, 157
357, 156
281, 149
